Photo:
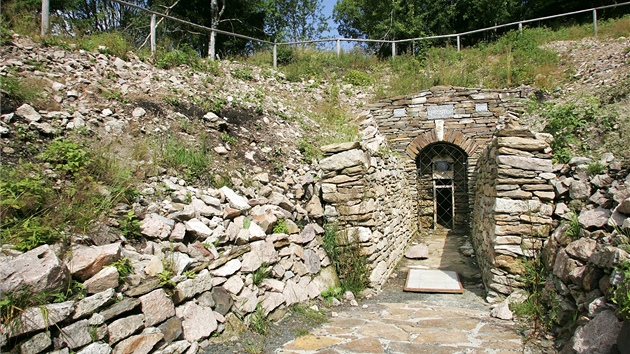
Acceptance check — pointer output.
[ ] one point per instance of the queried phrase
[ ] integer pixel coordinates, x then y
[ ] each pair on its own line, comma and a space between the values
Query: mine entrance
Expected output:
442, 187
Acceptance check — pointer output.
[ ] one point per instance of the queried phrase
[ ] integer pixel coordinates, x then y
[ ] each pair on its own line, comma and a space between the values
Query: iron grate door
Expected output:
443, 186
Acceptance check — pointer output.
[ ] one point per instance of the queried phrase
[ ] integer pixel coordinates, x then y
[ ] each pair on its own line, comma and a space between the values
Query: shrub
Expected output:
285, 55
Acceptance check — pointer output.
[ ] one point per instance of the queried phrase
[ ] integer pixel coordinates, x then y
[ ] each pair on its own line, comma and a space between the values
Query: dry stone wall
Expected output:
513, 208
365, 190
464, 117
206, 260
584, 252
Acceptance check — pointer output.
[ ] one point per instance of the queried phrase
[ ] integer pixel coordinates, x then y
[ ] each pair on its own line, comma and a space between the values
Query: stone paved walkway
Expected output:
410, 327
402, 322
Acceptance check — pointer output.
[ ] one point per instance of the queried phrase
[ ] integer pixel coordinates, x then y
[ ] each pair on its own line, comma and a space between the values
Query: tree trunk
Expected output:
211, 45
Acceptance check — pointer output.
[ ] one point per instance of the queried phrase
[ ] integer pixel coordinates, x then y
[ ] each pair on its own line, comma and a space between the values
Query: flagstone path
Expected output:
402, 322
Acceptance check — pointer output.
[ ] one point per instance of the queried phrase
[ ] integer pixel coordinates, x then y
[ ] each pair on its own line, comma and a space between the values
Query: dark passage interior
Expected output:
443, 187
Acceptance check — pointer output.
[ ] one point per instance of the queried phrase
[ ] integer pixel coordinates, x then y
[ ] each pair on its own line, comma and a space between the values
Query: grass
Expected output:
189, 160
261, 274
258, 322
22, 90
36, 211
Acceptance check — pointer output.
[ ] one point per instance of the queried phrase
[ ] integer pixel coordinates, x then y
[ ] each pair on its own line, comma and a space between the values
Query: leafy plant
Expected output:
190, 274
66, 156
309, 315
229, 139
124, 268
333, 292
280, 227
130, 225
567, 123
621, 294
166, 279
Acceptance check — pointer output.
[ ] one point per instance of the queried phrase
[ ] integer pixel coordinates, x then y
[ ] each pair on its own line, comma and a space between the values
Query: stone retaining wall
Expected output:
513, 206
366, 192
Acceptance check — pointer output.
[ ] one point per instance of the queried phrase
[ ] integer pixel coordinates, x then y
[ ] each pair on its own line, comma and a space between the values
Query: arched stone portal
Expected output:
442, 180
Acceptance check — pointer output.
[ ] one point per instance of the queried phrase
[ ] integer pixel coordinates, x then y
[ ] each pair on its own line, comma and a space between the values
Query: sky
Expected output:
328, 9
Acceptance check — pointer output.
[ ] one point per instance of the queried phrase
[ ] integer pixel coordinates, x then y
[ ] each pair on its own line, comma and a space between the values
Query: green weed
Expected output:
596, 168
538, 306
308, 315
258, 322
357, 78
185, 55
124, 268
110, 43
22, 90
261, 274
189, 160
280, 227
346, 257
308, 150
245, 74
621, 294
130, 225
574, 229
229, 139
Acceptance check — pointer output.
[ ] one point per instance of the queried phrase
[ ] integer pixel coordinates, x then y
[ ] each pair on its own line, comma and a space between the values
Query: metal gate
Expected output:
443, 176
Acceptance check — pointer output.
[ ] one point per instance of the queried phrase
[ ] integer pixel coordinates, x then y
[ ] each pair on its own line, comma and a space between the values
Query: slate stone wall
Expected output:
467, 118
365, 191
513, 206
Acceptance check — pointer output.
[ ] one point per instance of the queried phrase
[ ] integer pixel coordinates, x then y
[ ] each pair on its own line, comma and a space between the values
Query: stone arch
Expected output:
455, 137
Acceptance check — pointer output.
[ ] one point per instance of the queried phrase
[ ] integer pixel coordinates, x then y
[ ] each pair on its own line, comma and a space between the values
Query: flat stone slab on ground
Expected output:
433, 281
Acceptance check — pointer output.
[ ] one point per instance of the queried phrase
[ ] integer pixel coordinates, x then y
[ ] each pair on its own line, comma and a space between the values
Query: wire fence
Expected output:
45, 28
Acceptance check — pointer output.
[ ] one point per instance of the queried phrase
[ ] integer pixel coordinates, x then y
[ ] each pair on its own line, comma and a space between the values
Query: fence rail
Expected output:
45, 28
